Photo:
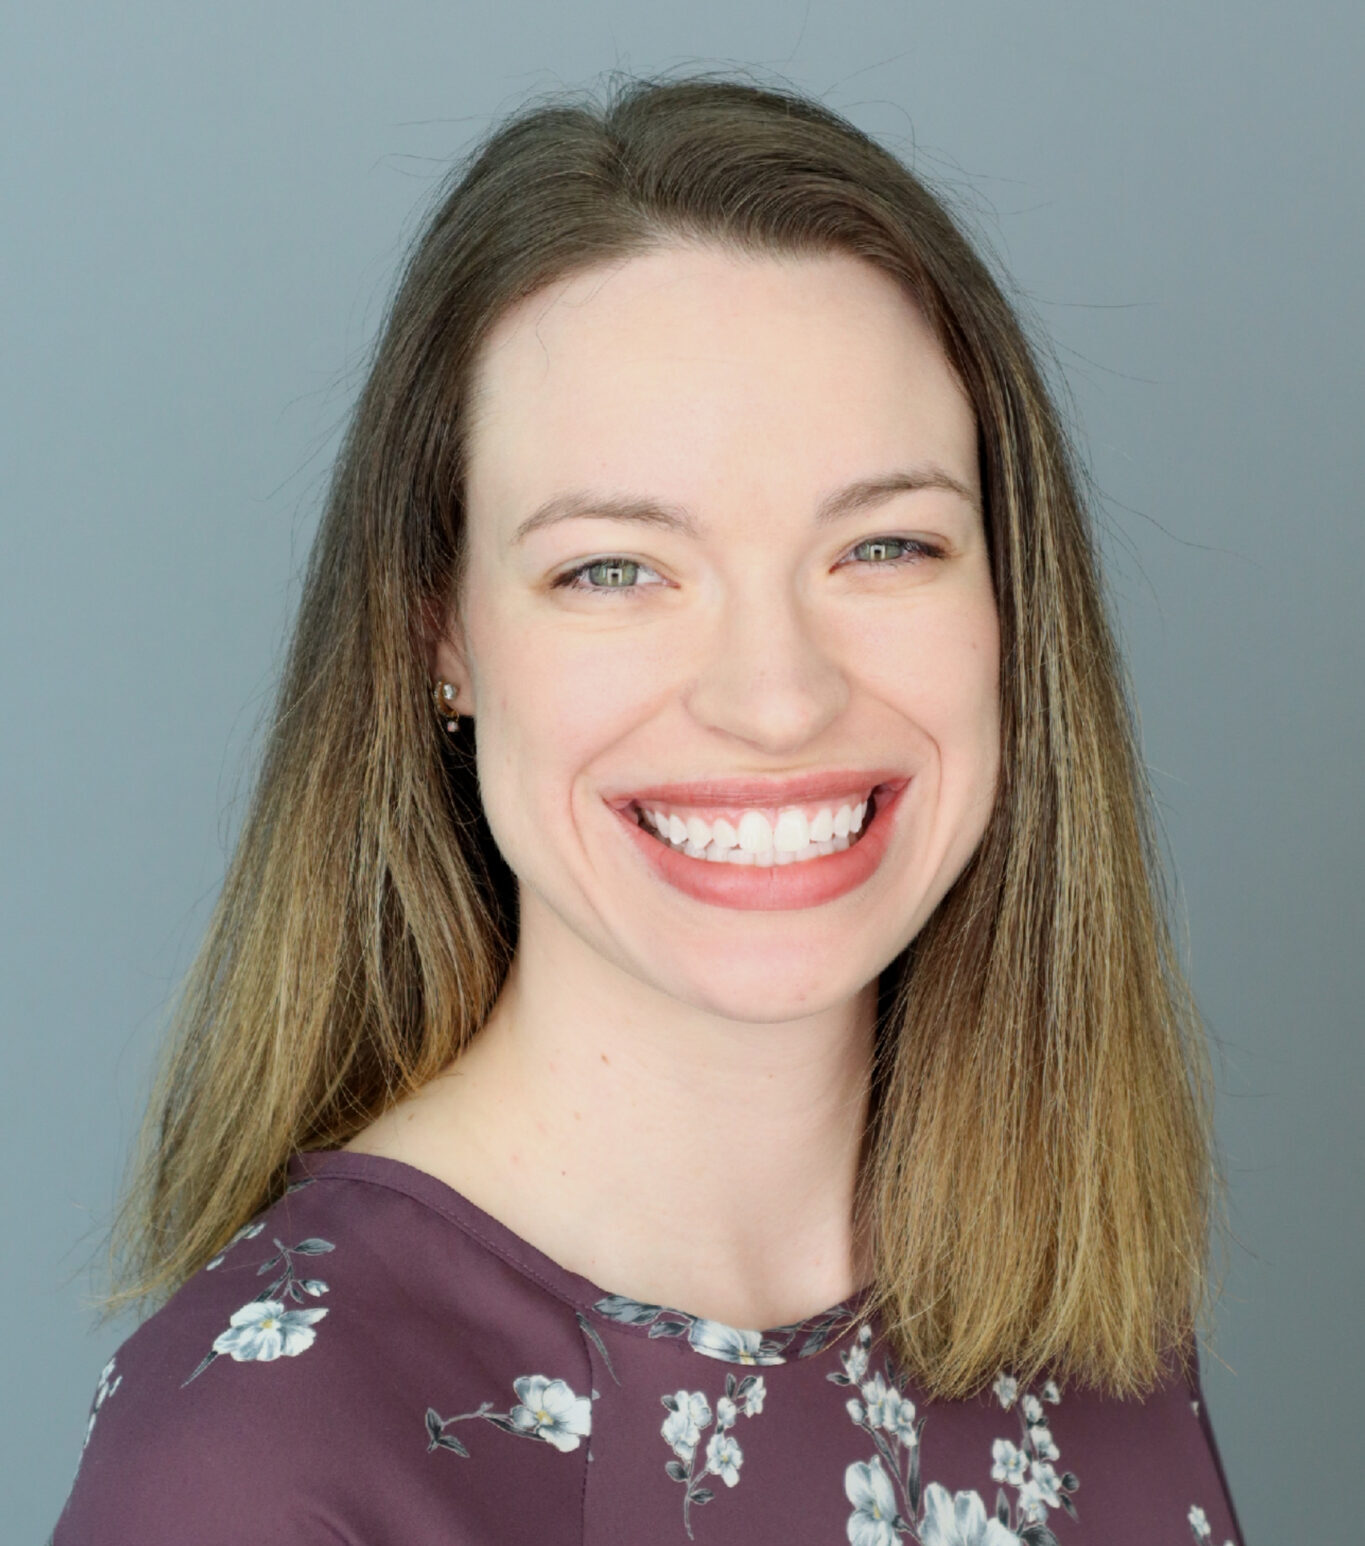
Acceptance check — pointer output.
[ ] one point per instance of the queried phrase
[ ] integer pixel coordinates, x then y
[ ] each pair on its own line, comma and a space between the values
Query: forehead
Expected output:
686, 365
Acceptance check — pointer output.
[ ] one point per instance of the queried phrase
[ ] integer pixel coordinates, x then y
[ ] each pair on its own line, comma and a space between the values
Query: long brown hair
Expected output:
1039, 1177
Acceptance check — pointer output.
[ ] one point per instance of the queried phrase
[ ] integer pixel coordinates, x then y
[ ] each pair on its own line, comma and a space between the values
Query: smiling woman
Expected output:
747, 647
766, 929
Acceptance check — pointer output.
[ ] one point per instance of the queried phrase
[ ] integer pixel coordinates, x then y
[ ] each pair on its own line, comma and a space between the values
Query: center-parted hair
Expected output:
1039, 1180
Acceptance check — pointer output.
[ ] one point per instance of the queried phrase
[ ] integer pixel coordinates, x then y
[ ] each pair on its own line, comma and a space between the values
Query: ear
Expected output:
447, 652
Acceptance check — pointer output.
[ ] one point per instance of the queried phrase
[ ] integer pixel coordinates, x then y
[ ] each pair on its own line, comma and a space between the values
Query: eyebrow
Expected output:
862, 495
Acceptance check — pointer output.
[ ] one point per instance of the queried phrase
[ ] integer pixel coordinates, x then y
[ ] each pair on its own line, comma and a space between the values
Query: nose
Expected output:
765, 675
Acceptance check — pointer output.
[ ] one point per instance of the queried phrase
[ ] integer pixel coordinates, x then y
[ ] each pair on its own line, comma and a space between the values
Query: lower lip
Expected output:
773, 887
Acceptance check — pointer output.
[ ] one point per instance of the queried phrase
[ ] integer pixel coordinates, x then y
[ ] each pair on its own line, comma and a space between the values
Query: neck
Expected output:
657, 1149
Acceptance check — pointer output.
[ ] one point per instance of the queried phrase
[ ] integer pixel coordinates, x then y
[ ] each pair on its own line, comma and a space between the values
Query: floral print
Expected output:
862, 1464
689, 1414
1028, 1467
264, 1329
718, 1340
878, 1487
546, 1409
885, 1490
549, 1410
874, 1519
1010, 1464
959, 1519
104, 1390
734, 1346
1199, 1523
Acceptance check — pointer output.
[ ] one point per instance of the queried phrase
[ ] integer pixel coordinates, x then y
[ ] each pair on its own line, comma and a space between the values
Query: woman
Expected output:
701, 878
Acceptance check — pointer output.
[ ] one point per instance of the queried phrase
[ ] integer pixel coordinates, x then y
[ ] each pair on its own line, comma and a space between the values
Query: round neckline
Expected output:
573, 1288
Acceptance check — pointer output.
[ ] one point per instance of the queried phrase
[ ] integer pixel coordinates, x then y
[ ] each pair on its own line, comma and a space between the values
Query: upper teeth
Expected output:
789, 831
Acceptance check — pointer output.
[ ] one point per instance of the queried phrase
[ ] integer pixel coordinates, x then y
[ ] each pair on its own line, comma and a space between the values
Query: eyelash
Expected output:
569, 580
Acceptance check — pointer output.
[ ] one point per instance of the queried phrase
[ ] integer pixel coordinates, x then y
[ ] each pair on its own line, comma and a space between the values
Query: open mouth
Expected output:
762, 837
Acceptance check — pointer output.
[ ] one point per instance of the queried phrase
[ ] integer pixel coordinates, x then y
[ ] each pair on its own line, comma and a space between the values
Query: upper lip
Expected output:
795, 789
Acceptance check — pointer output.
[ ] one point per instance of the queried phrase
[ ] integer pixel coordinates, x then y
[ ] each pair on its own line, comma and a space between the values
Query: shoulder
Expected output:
1138, 1458
294, 1389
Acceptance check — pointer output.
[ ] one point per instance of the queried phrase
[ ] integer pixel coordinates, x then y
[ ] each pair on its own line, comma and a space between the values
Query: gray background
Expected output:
204, 208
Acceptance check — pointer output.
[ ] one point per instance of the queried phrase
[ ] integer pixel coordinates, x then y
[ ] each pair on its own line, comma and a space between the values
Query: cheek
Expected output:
553, 699
972, 723
940, 665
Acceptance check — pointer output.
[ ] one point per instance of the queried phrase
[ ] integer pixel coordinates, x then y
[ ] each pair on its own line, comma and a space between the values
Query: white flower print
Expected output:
107, 1387
959, 1519
723, 1457
1199, 1523
1031, 1506
1043, 1446
875, 1395
854, 1359
731, 1344
887, 1415
547, 1410
900, 1424
1040, 1492
1010, 1463
551, 1411
869, 1490
1047, 1482
689, 1412
885, 1490
718, 1340
264, 1330
1027, 1467
103, 1391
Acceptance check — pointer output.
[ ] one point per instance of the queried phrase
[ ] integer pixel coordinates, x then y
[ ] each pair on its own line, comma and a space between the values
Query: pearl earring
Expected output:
444, 695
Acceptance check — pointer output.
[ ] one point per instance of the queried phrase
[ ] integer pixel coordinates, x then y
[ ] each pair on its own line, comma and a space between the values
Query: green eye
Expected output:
603, 574
888, 552
614, 574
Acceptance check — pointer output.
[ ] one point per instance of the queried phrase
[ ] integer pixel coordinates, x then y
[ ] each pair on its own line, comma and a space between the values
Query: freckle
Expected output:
604, 1057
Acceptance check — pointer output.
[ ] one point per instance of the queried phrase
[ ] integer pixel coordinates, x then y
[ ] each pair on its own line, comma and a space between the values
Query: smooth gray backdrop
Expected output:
204, 206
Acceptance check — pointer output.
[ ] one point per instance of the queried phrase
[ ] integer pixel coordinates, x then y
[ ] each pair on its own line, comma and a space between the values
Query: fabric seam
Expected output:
498, 1250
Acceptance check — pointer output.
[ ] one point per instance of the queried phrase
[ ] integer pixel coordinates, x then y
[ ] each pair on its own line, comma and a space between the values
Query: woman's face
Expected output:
727, 564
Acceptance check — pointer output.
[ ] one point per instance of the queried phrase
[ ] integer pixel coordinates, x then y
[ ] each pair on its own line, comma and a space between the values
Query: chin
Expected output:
745, 992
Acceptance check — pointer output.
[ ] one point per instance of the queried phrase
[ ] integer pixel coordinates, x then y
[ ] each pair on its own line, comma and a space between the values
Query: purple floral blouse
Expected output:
378, 1362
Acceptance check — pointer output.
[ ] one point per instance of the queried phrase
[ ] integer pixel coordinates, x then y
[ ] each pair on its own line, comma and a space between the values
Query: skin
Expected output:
669, 1096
